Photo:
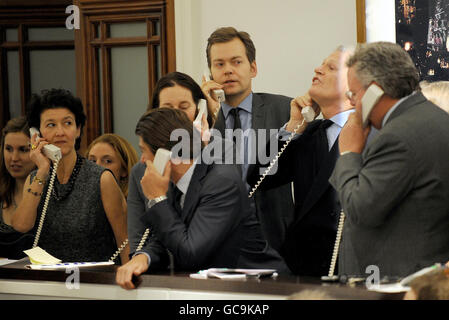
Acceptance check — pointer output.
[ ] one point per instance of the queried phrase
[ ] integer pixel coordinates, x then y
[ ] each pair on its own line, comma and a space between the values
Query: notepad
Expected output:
68, 265
234, 274
40, 256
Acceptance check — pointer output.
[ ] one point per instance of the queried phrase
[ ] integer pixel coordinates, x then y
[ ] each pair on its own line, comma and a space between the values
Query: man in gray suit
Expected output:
231, 57
394, 192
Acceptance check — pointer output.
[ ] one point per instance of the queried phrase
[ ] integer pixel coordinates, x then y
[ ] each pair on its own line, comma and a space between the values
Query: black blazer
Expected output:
311, 236
274, 209
216, 228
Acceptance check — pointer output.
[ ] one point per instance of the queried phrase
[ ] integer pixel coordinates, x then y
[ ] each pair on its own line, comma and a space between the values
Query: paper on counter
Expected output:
63, 266
40, 256
233, 274
5, 261
389, 288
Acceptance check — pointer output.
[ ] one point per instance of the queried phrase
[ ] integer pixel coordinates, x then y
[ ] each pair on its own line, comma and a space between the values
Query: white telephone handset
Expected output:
51, 151
219, 93
369, 100
309, 115
160, 159
54, 153
202, 109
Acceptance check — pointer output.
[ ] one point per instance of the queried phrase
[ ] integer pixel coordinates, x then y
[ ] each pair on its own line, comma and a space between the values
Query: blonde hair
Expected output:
437, 92
125, 151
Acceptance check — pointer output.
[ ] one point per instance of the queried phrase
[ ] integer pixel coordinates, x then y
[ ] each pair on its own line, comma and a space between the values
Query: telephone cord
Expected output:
337, 244
47, 200
273, 162
139, 247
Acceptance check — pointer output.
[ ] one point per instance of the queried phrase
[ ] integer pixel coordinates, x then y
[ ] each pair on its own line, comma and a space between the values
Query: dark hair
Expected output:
53, 99
7, 182
181, 79
156, 126
227, 34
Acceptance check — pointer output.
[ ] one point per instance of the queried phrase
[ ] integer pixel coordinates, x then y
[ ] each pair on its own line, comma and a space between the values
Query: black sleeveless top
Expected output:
12, 242
76, 228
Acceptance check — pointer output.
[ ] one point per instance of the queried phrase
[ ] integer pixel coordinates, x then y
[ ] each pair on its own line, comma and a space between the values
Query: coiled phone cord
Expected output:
337, 244
139, 247
47, 200
273, 162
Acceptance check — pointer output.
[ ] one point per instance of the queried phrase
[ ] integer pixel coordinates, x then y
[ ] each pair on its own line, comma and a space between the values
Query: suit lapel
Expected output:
321, 182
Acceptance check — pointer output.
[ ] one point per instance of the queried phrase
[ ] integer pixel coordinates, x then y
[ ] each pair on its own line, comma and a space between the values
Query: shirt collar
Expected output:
341, 118
388, 114
184, 182
246, 104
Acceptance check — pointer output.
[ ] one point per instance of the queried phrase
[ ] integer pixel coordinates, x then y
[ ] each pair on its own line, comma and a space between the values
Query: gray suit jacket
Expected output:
275, 208
396, 194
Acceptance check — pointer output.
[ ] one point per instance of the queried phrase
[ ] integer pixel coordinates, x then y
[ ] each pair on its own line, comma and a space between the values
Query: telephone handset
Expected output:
51, 151
219, 93
369, 100
202, 109
160, 159
54, 153
308, 116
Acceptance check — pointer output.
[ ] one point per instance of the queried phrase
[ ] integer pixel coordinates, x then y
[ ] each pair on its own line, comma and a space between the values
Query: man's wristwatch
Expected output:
152, 202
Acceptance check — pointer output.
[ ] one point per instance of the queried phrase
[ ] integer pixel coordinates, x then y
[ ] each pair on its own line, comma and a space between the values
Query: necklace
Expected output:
71, 183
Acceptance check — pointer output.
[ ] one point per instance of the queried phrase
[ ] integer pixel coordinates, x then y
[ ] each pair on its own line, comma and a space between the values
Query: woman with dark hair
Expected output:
15, 166
86, 216
179, 91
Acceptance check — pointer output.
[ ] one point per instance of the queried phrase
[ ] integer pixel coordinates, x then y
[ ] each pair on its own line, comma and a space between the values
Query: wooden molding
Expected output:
361, 21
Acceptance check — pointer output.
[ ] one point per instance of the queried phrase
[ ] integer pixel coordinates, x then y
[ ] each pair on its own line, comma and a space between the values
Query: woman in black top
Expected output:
15, 166
86, 213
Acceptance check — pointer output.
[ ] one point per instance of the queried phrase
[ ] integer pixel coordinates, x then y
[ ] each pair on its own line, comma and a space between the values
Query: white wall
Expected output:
380, 20
292, 37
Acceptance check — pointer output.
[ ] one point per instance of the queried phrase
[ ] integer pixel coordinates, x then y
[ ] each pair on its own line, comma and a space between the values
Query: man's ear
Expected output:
253, 69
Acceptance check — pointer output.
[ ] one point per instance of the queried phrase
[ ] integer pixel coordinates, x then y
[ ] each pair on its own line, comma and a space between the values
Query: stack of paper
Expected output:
40, 256
234, 274
68, 265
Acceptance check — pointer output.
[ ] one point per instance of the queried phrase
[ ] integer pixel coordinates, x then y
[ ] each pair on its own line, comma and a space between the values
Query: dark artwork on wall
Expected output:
422, 28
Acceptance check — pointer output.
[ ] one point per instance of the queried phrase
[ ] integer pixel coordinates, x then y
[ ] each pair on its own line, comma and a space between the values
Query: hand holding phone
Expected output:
369, 100
219, 93
156, 184
202, 110
160, 160
50, 151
